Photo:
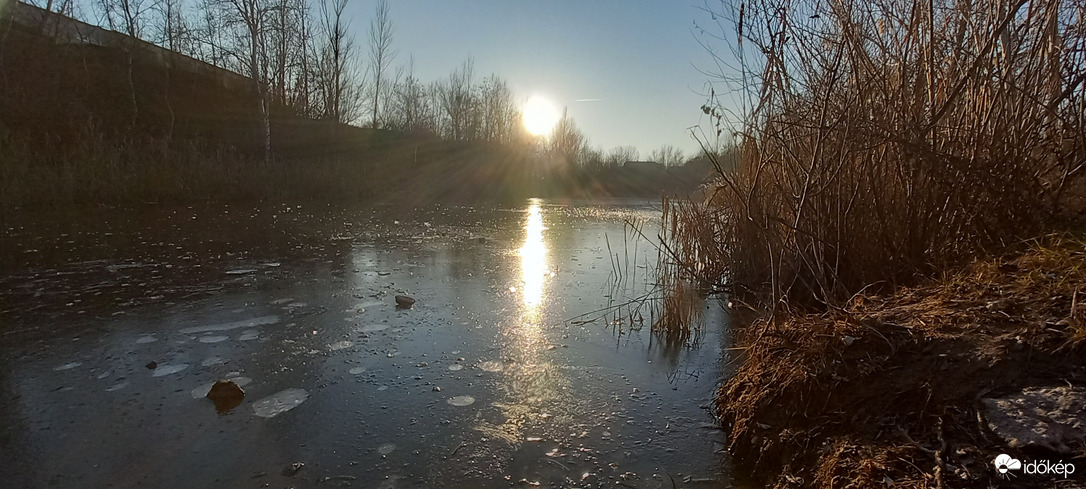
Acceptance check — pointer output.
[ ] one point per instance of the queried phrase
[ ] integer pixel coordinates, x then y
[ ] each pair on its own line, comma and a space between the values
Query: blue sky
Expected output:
640, 59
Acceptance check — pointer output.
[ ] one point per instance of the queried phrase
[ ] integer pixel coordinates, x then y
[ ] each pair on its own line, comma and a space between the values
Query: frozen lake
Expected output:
509, 369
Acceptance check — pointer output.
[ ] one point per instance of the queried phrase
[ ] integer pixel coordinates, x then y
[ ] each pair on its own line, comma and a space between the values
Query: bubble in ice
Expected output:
169, 369
249, 335
383, 388
339, 345
248, 323
213, 339
146, 339
373, 328
118, 386
67, 366
461, 401
456, 366
212, 361
280, 402
357, 370
491, 366
386, 448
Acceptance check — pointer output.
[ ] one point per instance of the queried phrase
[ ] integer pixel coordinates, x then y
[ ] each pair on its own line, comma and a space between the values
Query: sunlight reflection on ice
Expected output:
527, 378
533, 258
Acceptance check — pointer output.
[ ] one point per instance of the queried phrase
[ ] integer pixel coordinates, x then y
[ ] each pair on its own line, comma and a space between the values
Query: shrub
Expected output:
881, 139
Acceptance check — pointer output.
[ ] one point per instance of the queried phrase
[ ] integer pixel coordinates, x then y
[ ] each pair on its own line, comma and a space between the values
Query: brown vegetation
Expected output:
889, 386
879, 140
880, 145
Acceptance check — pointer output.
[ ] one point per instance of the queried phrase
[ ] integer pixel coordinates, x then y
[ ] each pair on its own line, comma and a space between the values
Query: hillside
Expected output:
91, 115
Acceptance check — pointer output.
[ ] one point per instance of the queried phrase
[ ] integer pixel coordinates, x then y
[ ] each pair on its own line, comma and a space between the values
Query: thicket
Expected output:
881, 139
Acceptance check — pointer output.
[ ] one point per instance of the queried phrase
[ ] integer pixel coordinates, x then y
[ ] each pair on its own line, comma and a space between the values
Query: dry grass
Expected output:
689, 258
871, 390
1041, 287
680, 307
883, 140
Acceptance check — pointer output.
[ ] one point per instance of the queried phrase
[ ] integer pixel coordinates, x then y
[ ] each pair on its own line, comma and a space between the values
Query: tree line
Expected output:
303, 57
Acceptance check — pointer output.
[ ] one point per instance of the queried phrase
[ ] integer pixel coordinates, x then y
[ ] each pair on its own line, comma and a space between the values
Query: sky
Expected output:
626, 71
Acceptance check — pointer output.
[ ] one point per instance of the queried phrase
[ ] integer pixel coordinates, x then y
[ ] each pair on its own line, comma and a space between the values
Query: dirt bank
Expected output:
887, 392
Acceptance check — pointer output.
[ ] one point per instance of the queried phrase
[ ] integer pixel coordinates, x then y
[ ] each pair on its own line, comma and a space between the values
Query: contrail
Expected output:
588, 100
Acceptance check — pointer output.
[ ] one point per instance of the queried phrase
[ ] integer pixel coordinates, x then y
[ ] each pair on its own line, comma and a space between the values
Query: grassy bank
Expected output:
888, 388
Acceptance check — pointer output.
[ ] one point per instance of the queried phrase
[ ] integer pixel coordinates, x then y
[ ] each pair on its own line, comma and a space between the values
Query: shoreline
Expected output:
903, 390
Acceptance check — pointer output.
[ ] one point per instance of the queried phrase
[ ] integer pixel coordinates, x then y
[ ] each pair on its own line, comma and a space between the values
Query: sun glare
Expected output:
540, 116
533, 258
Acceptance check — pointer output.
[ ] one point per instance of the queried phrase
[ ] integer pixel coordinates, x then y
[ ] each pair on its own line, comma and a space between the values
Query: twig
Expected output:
941, 464
914, 443
560, 464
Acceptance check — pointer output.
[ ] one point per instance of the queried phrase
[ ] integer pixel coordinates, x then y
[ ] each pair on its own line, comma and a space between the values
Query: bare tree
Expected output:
209, 33
285, 45
381, 52
567, 142
591, 158
173, 29
127, 16
438, 121
499, 114
388, 105
667, 155
173, 34
619, 155
302, 87
251, 16
405, 100
458, 102
338, 81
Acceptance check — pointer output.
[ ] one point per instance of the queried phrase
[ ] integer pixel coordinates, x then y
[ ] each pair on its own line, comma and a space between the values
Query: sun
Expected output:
540, 116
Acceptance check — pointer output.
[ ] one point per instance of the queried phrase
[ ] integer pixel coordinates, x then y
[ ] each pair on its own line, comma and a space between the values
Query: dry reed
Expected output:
883, 139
